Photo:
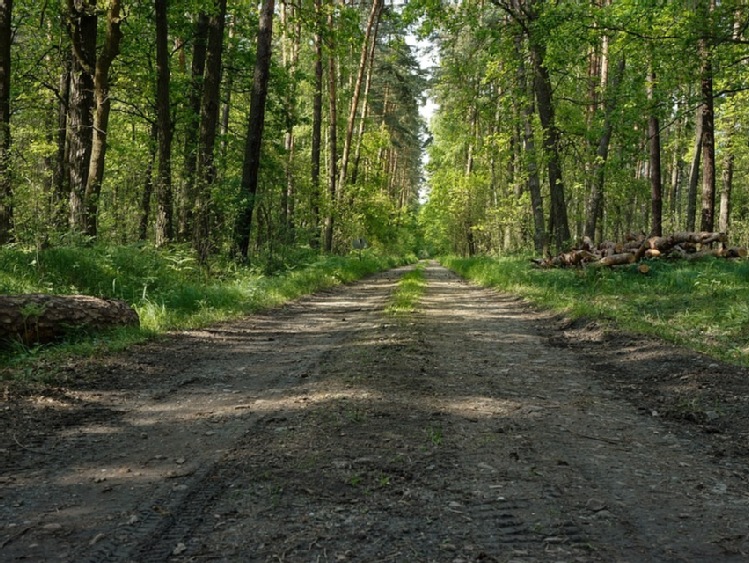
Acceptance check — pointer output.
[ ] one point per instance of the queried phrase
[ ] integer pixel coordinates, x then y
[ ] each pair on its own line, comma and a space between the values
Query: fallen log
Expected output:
41, 318
638, 247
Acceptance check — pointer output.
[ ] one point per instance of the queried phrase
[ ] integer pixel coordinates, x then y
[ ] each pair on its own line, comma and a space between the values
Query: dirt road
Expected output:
472, 430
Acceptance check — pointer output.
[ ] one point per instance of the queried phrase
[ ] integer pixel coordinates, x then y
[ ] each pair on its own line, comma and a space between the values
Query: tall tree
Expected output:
82, 24
316, 140
192, 126
654, 138
209, 114
103, 102
332, 138
164, 215
255, 125
6, 182
370, 36
708, 118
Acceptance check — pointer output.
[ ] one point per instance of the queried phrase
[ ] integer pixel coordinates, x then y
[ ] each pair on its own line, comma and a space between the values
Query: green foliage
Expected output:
703, 304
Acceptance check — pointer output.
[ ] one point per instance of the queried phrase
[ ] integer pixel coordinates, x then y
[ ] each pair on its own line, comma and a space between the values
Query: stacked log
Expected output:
42, 318
636, 248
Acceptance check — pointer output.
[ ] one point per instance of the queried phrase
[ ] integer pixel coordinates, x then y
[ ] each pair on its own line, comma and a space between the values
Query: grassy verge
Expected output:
406, 296
168, 289
703, 304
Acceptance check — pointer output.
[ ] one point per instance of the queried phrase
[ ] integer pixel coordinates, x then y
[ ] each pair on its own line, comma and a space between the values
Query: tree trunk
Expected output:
369, 35
708, 143
6, 184
101, 117
60, 188
209, 112
40, 318
725, 193
255, 126
317, 127
164, 224
595, 200
83, 28
145, 200
694, 172
197, 69
333, 141
558, 224
291, 43
656, 186
365, 109
527, 109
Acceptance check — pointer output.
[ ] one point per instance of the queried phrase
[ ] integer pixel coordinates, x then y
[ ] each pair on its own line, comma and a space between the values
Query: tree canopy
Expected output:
240, 130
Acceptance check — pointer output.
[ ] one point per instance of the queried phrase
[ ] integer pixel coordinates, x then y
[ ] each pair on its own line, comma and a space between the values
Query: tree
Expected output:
6, 181
255, 125
209, 114
82, 22
103, 104
164, 218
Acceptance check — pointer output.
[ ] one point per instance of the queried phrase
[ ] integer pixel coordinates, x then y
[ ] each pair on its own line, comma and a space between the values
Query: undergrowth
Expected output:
169, 289
701, 304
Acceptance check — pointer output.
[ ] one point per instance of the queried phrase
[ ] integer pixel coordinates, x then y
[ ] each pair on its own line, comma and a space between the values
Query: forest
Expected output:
216, 125
235, 129
559, 120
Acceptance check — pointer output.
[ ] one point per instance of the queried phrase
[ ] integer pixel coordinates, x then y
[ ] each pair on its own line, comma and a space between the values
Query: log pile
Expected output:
639, 247
41, 318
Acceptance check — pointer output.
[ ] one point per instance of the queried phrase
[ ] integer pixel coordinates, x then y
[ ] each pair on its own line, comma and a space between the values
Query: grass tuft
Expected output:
406, 296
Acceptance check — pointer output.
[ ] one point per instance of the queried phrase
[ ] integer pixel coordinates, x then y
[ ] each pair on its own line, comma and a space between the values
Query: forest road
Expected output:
328, 430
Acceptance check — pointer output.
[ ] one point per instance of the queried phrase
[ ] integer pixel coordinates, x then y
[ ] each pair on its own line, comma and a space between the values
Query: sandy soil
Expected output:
476, 429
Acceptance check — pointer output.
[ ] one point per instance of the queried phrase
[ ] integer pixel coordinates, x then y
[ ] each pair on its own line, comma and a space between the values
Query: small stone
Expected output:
52, 526
595, 505
179, 549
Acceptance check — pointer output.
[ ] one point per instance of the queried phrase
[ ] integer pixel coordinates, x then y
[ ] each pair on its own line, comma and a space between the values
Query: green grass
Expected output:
406, 296
168, 289
702, 304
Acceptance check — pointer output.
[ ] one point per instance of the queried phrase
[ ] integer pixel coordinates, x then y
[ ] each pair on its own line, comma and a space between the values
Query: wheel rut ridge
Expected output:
163, 522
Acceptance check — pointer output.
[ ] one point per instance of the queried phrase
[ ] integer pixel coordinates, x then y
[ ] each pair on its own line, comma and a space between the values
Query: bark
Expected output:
82, 28
595, 200
317, 125
333, 142
558, 223
291, 46
164, 223
656, 185
725, 193
58, 163
103, 103
708, 145
369, 36
41, 318
365, 109
527, 109
256, 122
197, 69
694, 172
6, 184
145, 201
209, 114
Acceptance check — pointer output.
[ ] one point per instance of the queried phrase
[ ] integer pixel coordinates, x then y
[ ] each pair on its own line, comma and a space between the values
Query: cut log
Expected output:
615, 260
41, 318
